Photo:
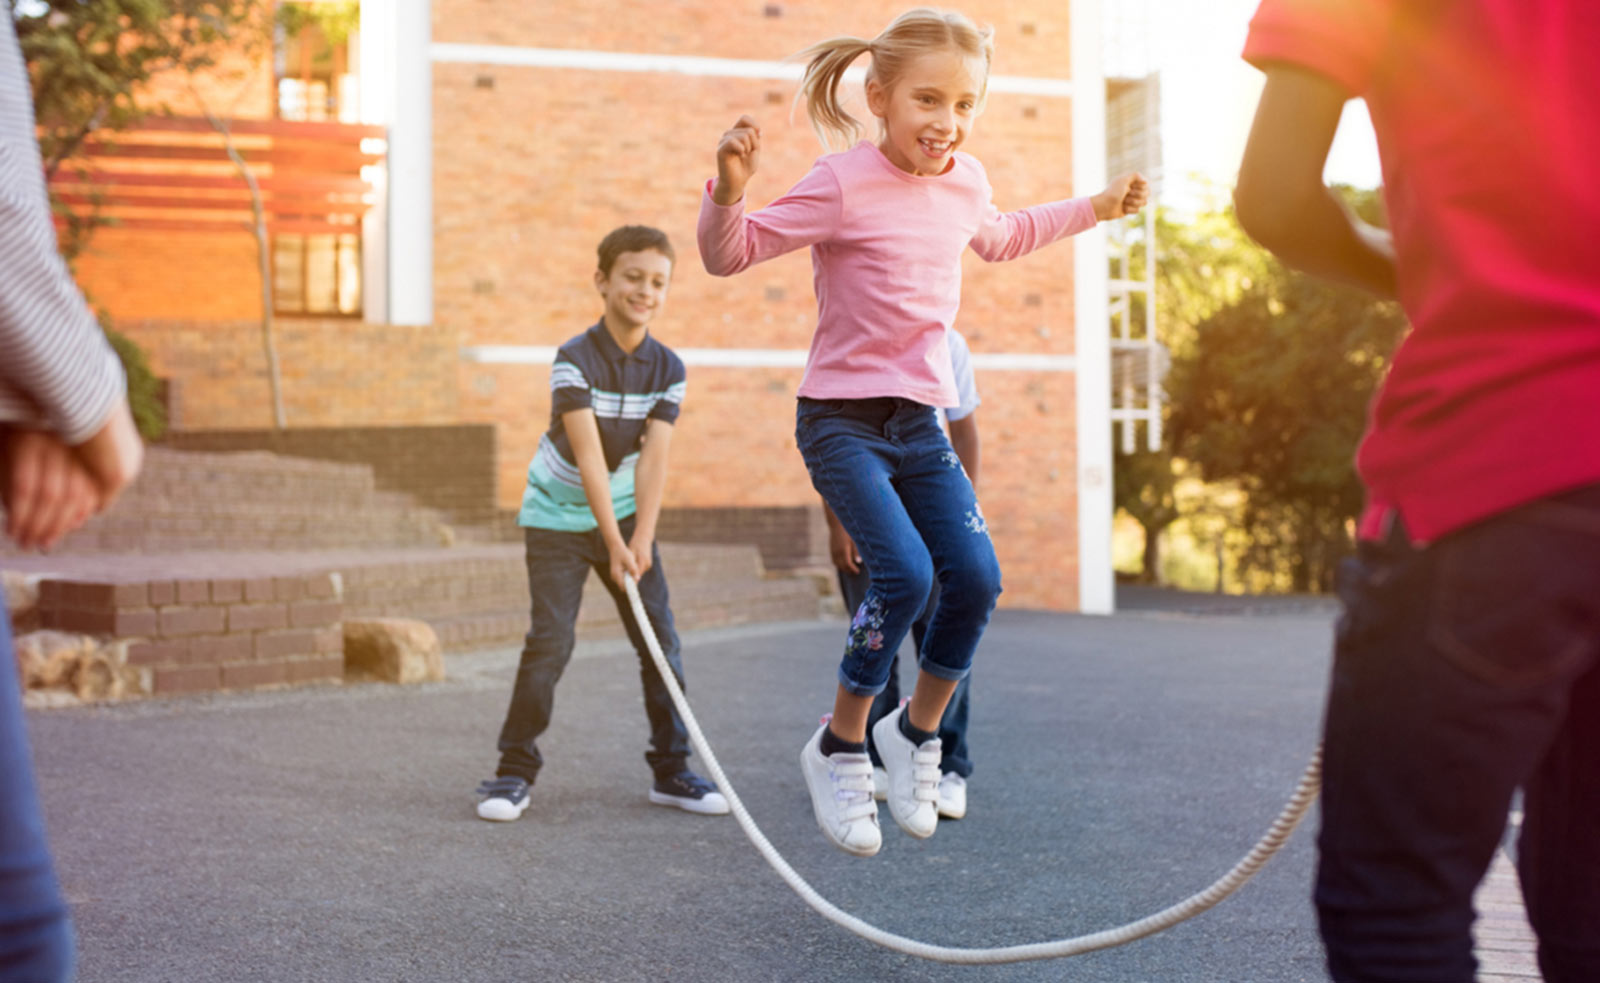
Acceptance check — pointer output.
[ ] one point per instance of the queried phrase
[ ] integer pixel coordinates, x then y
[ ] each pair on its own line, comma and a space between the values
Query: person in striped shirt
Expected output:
68, 446
592, 500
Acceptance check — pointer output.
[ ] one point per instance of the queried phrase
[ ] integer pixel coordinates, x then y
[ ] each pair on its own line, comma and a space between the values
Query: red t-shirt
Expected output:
1487, 114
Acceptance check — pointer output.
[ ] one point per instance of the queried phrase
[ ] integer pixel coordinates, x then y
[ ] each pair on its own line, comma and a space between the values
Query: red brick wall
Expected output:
190, 276
211, 634
335, 372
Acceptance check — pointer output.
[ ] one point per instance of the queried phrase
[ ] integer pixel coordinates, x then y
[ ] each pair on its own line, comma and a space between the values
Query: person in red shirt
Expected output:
1467, 661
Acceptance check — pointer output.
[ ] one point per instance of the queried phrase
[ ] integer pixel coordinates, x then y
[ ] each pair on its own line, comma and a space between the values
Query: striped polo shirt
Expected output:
626, 391
57, 370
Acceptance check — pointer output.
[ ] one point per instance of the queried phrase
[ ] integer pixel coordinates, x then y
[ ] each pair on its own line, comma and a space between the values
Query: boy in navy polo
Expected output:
592, 501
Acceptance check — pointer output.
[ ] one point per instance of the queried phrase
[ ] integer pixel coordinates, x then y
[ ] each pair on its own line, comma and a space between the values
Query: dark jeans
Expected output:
954, 754
558, 564
1462, 671
886, 469
36, 943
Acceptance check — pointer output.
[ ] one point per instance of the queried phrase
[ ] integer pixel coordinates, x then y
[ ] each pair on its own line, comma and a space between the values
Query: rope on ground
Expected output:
1293, 811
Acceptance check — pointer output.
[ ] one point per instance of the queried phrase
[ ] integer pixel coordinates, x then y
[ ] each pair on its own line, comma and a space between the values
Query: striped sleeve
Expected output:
56, 368
670, 404
569, 387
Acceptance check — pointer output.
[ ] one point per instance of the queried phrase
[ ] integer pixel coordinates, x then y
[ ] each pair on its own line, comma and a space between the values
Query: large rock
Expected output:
104, 674
89, 668
49, 659
392, 650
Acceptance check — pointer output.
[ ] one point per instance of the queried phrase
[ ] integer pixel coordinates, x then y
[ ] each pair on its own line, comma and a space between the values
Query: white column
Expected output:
1096, 583
410, 192
374, 64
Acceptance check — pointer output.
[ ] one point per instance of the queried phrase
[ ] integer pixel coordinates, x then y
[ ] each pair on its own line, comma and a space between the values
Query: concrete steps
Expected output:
253, 500
233, 570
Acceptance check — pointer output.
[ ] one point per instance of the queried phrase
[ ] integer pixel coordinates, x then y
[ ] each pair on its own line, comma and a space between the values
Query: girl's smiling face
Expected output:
929, 110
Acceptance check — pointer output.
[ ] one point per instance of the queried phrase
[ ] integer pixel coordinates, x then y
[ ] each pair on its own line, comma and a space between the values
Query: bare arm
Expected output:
1281, 198
649, 483
964, 440
584, 435
46, 491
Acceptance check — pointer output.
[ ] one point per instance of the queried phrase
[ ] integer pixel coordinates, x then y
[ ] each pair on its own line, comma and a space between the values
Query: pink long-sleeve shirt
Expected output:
886, 258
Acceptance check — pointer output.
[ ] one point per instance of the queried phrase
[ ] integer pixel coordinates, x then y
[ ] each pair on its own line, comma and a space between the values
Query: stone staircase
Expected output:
254, 500
231, 570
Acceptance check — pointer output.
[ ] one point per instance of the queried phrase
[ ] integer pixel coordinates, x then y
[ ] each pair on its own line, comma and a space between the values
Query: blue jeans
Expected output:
36, 944
887, 470
558, 564
953, 751
1463, 670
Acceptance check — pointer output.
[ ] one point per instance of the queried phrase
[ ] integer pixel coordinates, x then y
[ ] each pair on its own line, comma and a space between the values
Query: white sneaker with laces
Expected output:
880, 784
952, 796
841, 796
913, 771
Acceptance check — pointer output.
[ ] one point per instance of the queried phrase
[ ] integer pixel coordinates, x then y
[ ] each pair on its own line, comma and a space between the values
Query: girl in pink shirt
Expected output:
887, 223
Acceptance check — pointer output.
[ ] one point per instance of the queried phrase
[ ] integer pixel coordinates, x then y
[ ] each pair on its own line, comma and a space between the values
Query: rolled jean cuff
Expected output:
943, 672
857, 689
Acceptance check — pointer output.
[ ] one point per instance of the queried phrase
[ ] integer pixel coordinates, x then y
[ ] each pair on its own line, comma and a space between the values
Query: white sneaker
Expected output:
503, 799
841, 797
913, 777
880, 784
952, 796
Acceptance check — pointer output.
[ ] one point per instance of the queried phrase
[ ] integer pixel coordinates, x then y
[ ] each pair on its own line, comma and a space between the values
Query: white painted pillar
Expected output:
374, 64
410, 191
1091, 313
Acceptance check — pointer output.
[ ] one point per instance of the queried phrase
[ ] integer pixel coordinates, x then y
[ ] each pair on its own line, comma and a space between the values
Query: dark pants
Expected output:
35, 934
954, 754
1463, 671
558, 565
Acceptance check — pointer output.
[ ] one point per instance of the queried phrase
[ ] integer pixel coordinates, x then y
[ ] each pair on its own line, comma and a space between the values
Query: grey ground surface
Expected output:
328, 834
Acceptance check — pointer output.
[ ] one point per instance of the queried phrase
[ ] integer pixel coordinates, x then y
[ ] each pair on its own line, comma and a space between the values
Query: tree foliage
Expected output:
90, 59
1203, 263
1274, 397
90, 62
1276, 400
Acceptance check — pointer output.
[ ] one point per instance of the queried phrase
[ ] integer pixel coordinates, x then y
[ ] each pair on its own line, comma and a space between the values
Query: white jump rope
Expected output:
1293, 811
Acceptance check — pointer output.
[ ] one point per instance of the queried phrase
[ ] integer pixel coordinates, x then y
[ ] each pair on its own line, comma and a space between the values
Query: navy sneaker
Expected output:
504, 799
689, 792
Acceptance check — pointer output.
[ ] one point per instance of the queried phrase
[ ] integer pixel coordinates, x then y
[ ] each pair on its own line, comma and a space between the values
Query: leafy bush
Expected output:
144, 389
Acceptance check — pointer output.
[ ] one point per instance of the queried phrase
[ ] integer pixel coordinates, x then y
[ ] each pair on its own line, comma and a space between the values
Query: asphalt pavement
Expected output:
325, 834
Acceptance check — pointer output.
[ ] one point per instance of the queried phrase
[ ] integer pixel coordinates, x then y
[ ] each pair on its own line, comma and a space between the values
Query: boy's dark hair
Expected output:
633, 239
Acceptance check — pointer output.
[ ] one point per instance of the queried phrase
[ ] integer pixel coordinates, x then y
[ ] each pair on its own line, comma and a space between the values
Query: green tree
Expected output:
1203, 262
90, 61
1275, 399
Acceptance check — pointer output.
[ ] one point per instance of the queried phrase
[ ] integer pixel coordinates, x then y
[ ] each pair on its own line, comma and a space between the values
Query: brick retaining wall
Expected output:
211, 634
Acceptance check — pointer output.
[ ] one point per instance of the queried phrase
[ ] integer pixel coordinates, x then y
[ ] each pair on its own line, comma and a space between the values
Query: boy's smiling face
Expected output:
635, 289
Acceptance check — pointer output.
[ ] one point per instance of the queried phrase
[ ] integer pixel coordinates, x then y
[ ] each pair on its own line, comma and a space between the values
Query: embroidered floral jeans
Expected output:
886, 469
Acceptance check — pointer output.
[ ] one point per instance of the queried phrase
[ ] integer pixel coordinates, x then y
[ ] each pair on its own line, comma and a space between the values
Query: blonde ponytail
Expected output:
913, 33
826, 64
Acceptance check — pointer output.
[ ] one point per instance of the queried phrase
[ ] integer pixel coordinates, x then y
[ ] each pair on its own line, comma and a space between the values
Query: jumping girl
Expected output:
887, 223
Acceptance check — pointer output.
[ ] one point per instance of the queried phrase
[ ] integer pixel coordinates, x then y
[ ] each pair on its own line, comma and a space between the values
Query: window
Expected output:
317, 275
312, 61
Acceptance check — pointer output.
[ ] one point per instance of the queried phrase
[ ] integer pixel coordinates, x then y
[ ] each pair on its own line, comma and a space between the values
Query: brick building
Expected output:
518, 133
